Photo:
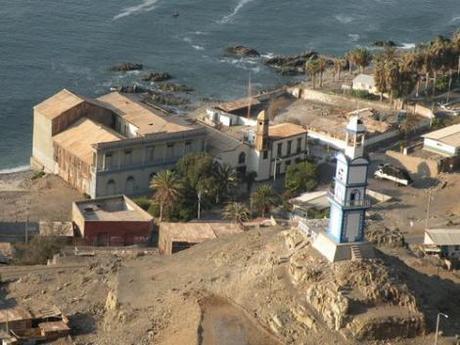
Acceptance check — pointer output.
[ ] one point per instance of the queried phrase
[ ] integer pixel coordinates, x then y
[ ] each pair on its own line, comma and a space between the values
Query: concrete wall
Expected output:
439, 147
416, 165
42, 143
117, 233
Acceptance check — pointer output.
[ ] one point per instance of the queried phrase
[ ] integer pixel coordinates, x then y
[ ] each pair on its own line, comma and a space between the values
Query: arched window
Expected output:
111, 187
242, 158
130, 187
355, 196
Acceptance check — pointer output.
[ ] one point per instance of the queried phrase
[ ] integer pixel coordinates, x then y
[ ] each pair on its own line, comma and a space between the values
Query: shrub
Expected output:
301, 177
38, 174
38, 250
143, 203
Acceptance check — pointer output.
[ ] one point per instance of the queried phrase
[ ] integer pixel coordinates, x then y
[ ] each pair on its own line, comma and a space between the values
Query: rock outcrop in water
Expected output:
384, 44
157, 76
173, 87
242, 51
127, 66
291, 65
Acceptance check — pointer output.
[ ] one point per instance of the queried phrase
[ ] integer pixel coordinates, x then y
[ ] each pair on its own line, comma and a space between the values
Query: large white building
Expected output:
267, 150
445, 141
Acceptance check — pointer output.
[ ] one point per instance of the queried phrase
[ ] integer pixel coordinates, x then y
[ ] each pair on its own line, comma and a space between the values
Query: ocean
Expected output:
48, 45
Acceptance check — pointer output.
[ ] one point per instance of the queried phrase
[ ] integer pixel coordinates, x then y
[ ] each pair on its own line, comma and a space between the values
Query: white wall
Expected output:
439, 147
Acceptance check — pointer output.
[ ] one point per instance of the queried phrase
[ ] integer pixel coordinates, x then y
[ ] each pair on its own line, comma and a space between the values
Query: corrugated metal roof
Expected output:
144, 118
284, 130
79, 138
444, 237
448, 135
59, 103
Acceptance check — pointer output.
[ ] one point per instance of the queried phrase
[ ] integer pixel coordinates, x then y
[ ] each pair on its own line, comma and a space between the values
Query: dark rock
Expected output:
130, 89
242, 51
291, 65
157, 76
165, 99
127, 66
385, 44
173, 87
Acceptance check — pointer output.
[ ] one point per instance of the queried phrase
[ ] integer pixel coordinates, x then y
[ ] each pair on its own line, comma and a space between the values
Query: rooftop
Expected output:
237, 104
443, 237
112, 209
79, 138
143, 117
196, 232
285, 130
448, 135
59, 103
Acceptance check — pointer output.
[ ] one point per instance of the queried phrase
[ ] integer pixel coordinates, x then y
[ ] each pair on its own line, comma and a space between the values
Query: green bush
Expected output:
301, 177
154, 210
143, 203
38, 250
38, 174
364, 95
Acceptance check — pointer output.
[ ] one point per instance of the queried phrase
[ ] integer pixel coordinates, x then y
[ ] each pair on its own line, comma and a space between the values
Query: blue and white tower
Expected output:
345, 233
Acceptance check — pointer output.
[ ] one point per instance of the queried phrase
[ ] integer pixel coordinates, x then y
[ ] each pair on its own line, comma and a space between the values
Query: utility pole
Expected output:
199, 205
428, 209
437, 326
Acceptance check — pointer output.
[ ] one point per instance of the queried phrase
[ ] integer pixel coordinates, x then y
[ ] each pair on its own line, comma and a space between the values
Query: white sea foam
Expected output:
15, 170
354, 37
197, 47
455, 19
145, 6
239, 6
343, 18
407, 46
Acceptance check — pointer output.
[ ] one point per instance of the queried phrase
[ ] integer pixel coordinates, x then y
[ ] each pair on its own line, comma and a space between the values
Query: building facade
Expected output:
110, 145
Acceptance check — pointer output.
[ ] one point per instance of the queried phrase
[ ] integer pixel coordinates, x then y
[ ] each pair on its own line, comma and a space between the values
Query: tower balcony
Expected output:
349, 204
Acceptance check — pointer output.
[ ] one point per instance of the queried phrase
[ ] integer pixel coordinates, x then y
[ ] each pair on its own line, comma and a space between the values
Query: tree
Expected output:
301, 177
380, 75
409, 125
322, 64
263, 199
362, 57
166, 187
226, 181
249, 178
442, 56
339, 65
236, 212
350, 57
312, 68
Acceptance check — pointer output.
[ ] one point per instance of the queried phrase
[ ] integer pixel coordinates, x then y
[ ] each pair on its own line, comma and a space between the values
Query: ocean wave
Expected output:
145, 6
407, 46
197, 47
344, 18
229, 17
15, 170
455, 19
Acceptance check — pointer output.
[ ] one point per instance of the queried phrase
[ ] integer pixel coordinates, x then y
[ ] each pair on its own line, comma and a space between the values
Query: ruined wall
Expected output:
416, 165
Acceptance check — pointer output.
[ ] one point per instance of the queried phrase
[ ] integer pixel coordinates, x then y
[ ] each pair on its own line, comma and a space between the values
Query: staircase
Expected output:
356, 254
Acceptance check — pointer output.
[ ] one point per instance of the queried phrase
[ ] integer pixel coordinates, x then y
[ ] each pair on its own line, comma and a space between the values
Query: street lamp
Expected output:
437, 326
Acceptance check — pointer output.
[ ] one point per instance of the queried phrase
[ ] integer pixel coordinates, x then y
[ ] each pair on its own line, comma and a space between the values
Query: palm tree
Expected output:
351, 59
339, 64
362, 58
236, 212
322, 64
441, 55
312, 68
392, 76
263, 199
166, 188
380, 75
226, 180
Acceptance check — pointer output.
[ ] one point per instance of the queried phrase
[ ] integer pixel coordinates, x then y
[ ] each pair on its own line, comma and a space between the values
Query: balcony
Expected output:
360, 203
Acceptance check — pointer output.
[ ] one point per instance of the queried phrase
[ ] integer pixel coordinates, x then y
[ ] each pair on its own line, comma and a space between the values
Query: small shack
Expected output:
443, 242
445, 141
112, 221
175, 237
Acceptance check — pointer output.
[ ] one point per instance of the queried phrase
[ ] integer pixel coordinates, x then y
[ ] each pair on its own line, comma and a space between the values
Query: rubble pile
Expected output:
382, 236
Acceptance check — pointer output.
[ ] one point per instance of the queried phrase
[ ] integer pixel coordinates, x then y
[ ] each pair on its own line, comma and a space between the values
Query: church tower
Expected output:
262, 131
348, 199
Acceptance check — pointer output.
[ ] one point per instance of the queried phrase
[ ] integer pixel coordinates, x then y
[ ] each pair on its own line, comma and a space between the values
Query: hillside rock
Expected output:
291, 65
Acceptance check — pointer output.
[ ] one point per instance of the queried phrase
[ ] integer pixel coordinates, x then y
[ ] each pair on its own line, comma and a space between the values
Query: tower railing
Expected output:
359, 203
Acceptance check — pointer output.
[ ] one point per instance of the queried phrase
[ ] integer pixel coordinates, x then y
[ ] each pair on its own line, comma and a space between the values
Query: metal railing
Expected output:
359, 203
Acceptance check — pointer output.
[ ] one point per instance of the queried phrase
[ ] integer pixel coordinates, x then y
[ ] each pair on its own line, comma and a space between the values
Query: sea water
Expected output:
47, 45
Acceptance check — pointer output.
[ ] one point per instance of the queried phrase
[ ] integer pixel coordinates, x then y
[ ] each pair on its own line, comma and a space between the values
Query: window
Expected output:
108, 160
188, 147
289, 147
279, 149
265, 154
151, 153
299, 145
128, 157
170, 150
130, 186
111, 187
242, 158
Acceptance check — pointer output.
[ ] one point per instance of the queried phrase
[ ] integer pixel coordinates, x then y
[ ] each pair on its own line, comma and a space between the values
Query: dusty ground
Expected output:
45, 198
225, 292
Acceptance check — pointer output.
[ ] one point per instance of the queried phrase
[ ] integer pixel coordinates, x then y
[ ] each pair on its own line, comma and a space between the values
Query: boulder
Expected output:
385, 44
242, 51
291, 65
173, 87
130, 89
127, 66
157, 76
